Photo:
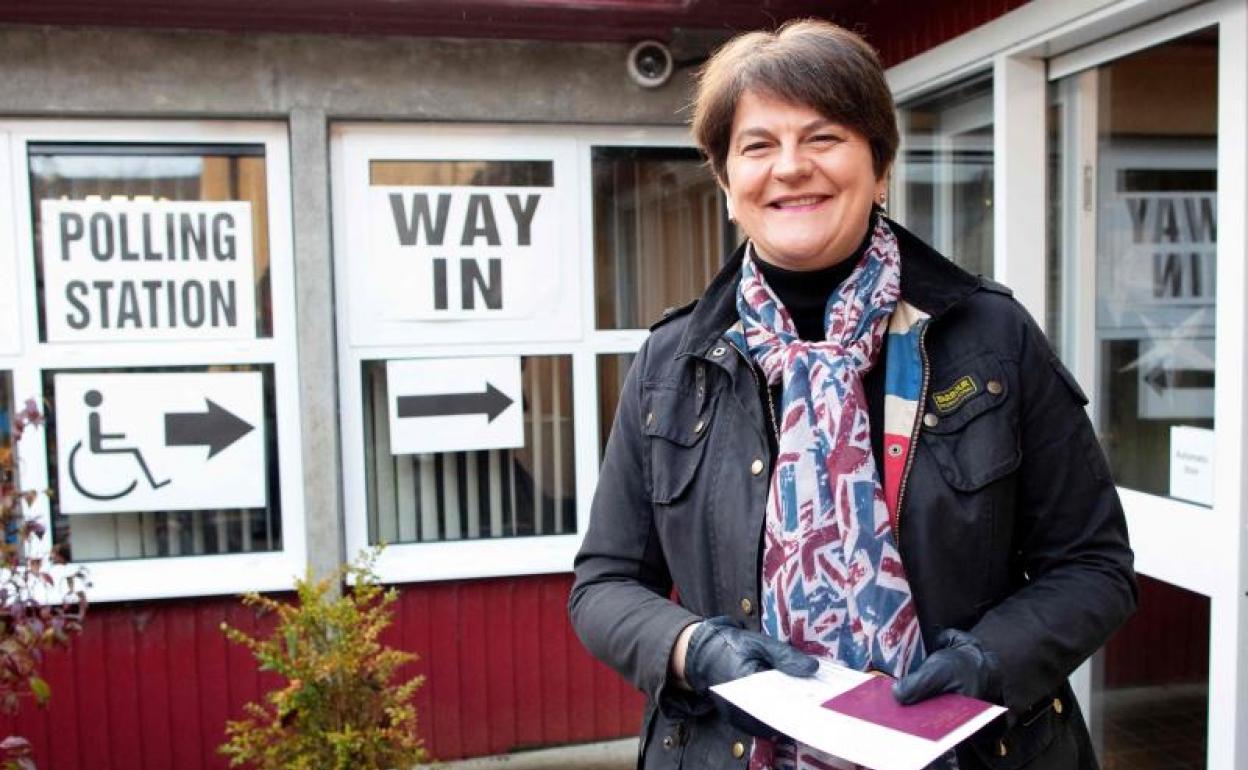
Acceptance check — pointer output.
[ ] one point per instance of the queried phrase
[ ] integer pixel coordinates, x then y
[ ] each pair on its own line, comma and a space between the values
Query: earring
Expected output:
883, 201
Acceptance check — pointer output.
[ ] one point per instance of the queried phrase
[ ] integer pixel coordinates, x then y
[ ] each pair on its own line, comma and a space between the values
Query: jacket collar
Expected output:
929, 281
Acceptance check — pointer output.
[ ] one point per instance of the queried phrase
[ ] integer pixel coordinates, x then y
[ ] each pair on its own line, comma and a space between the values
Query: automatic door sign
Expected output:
148, 270
160, 441
454, 404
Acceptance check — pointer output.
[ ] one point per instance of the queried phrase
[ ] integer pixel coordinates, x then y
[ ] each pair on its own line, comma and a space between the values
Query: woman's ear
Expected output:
727, 202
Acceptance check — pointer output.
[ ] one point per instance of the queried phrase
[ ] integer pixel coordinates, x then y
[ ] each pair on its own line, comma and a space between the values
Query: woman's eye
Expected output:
825, 138
754, 147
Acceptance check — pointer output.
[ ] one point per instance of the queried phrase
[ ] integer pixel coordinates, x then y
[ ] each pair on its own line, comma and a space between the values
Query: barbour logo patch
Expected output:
952, 397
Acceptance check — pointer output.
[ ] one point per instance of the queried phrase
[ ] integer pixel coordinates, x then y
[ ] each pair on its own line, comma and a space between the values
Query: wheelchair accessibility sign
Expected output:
159, 441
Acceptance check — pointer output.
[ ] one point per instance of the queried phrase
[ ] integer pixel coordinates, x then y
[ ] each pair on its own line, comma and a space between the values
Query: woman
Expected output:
848, 447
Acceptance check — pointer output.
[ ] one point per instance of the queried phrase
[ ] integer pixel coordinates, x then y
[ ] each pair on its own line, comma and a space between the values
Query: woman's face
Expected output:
799, 185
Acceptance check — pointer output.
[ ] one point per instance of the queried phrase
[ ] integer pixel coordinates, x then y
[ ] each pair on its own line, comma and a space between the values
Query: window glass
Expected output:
659, 232
121, 455
6, 412
447, 496
1153, 709
136, 174
944, 177
612, 370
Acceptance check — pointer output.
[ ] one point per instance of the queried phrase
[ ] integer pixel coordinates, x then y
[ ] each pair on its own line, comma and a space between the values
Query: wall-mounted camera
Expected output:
650, 64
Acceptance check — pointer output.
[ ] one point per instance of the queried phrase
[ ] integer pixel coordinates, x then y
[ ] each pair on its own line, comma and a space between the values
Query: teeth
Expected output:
808, 201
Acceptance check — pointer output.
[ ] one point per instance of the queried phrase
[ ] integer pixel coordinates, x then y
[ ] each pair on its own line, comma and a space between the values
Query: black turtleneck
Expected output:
805, 293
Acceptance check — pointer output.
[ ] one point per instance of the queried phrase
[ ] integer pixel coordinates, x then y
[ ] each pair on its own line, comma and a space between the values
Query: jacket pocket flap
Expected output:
976, 387
671, 414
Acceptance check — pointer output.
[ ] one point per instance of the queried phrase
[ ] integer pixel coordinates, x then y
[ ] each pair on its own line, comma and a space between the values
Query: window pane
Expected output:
142, 535
659, 232
1156, 247
612, 369
161, 173
481, 494
457, 173
1153, 708
6, 414
945, 174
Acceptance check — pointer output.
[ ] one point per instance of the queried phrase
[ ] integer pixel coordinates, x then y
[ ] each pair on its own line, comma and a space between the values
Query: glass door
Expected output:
1134, 207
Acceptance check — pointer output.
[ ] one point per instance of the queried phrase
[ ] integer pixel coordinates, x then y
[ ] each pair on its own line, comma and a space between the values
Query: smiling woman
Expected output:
884, 384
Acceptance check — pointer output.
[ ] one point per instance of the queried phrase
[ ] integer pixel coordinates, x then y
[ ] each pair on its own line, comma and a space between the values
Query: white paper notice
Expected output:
1191, 464
794, 707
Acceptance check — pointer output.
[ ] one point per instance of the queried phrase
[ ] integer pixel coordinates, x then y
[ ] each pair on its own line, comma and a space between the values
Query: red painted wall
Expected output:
903, 29
149, 686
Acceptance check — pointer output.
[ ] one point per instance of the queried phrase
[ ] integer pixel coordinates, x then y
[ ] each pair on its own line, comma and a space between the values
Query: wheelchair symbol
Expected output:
95, 441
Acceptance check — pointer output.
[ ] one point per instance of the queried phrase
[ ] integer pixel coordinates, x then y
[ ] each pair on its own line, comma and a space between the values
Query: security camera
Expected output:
650, 64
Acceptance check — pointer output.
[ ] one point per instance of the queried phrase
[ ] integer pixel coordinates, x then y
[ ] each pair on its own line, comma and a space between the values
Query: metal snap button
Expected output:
747, 606
698, 426
1001, 749
1057, 705
894, 450
668, 742
931, 420
756, 467
719, 351
738, 749
994, 387
650, 419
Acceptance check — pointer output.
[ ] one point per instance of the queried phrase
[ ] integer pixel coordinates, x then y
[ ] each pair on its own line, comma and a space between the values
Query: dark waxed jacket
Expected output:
1009, 525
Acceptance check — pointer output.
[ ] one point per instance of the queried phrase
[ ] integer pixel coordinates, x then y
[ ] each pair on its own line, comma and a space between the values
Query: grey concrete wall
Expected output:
310, 81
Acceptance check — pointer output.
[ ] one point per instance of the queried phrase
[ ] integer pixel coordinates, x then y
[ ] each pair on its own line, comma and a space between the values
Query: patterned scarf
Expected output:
832, 579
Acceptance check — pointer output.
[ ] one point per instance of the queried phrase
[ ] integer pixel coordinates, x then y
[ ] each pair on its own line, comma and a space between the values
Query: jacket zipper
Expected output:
914, 436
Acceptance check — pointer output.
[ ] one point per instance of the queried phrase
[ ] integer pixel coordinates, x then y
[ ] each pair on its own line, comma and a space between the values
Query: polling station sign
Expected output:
120, 270
463, 253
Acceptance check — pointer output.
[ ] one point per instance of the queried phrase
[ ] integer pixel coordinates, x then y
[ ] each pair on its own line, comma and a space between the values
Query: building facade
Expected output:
289, 293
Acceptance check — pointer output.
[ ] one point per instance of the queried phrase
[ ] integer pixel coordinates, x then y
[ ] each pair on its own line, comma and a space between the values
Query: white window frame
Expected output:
1066, 37
352, 146
181, 576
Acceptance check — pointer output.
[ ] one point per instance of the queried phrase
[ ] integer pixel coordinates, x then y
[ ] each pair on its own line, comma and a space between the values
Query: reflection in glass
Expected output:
163, 173
110, 536
481, 494
1156, 242
944, 175
659, 232
1152, 703
6, 413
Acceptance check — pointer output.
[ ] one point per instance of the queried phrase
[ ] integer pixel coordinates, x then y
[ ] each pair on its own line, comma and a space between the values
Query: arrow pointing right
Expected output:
490, 402
216, 428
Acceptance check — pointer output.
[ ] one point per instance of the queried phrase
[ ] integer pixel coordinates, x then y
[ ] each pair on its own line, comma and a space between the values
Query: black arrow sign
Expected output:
1160, 379
491, 402
216, 428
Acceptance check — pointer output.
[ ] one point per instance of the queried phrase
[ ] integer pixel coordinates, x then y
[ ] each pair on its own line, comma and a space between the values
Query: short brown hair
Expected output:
808, 62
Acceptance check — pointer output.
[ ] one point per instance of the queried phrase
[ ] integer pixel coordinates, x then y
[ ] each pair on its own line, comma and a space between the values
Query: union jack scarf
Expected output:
832, 580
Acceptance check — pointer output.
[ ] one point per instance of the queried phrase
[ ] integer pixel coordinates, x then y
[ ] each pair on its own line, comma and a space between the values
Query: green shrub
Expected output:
340, 708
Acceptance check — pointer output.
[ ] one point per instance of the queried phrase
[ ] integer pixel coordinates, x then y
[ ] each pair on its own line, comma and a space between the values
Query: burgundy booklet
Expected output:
933, 719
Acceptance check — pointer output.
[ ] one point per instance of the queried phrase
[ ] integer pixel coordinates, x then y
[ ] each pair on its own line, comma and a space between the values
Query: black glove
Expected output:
720, 652
959, 664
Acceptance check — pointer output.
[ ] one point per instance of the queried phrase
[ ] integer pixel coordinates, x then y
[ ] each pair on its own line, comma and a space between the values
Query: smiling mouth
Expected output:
798, 204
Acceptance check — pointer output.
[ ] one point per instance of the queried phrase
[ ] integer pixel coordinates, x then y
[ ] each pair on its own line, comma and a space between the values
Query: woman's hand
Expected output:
715, 651
959, 664
720, 652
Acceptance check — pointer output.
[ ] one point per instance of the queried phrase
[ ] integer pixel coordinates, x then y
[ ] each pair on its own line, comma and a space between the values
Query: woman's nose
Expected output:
792, 163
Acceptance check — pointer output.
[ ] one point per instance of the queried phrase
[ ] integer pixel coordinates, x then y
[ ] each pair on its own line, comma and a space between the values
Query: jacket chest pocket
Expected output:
970, 424
677, 436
